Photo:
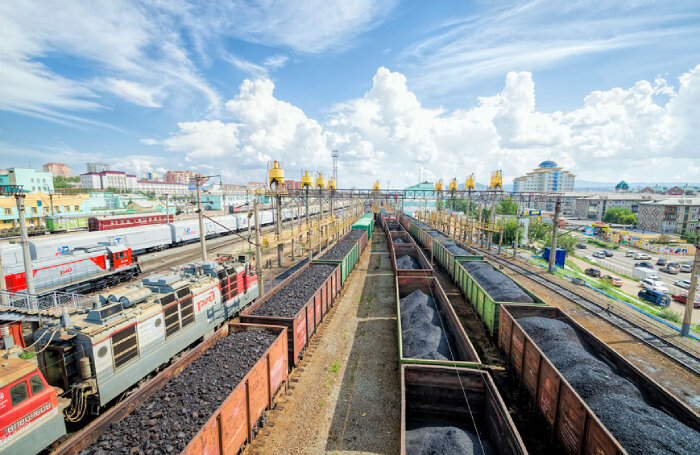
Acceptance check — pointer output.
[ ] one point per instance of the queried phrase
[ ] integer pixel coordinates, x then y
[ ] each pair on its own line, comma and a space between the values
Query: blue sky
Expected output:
608, 89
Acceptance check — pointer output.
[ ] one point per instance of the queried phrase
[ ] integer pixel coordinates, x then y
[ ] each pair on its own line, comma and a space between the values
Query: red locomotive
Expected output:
124, 221
80, 270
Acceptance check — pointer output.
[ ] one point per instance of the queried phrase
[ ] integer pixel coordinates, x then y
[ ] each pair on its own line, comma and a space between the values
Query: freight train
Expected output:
89, 261
589, 402
94, 356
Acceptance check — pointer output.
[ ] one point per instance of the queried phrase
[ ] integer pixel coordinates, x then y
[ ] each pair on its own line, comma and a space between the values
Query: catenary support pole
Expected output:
555, 227
200, 212
689, 304
24, 241
258, 250
278, 229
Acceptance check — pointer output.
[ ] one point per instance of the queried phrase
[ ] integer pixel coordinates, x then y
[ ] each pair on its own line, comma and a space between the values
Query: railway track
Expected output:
656, 341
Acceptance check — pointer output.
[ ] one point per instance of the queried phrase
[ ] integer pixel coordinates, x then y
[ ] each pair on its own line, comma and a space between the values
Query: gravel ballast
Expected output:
338, 251
407, 262
618, 403
292, 297
421, 331
497, 285
168, 420
438, 439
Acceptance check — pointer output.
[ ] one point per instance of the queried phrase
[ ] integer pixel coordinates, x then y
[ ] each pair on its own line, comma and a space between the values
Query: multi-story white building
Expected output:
150, 186
594, 205
674, 215
547, 177
120, 181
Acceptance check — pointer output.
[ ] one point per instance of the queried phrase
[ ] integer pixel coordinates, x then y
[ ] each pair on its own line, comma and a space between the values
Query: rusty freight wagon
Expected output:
399, 251
436, 400
222, 424
592, 377
400, 238
299, 304
431, 336
487, 295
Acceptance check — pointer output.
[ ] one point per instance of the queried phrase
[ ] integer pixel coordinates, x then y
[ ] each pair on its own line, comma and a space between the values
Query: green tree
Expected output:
509, 233
618, 215
62, 181
538, 231
506, 207
690, 236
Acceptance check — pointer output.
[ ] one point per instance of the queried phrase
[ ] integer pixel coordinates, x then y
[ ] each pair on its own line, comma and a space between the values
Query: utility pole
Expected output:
685, 329
24, 241
517, 232
492, 222
280, 243
202, 234
167, 209
258, 250
4, 301
308, 225
555, 227
51, 202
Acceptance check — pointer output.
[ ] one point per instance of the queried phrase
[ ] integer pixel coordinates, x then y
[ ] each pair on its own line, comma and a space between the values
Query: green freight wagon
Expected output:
446, 258
65, 223
347, 263
487, 309
366, 222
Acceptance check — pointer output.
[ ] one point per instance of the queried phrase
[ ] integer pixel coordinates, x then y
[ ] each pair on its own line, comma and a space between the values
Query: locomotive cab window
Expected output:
18, 393
36, 384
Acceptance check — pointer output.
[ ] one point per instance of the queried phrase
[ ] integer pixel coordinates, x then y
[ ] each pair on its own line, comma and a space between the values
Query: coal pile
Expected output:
173, 415
421, 331
289, 272
354, 234
398, 240
292, 297
497, 285
407, 262
338, 251
438, 439
394, 227
618, 403
455, 249
436, 234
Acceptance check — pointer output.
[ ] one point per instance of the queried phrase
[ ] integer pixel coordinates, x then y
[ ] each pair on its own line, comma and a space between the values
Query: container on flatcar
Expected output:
366, 222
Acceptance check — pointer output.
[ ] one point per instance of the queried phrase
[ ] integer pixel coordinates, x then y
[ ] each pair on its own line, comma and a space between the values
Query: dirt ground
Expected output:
345, 395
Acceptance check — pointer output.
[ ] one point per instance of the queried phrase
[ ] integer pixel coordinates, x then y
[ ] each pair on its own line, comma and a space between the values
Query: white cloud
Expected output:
499, 37
309, 26
130, 91
276, 61
387, 134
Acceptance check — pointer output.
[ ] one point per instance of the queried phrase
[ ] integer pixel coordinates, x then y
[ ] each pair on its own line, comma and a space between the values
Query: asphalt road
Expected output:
621, 264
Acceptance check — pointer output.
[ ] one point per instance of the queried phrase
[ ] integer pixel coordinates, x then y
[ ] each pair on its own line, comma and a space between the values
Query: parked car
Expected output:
581, 246
655, 297
608, 253
630, 254
686, 268
683, 298
646, 283
669, 269
674, 264
592, 272
641, 256
661, 261
685, 284
615, 281
647, 265
599, 254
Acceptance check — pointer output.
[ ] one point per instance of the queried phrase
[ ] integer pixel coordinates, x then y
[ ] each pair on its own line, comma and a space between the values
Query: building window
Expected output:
77, 208
8, 211
67, 207
34, 210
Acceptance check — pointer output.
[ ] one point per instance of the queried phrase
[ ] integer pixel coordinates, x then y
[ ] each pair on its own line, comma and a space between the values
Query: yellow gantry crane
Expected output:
470, 184
496, 181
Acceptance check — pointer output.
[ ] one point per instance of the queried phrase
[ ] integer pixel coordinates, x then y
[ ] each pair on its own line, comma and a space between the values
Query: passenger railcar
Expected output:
119, 222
